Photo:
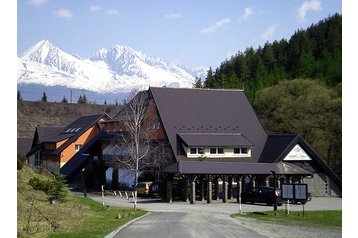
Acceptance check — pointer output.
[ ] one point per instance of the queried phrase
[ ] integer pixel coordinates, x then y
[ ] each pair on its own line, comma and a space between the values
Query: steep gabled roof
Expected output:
78, 127
275, 146
48, 133
208, 111
279, 146
55, 134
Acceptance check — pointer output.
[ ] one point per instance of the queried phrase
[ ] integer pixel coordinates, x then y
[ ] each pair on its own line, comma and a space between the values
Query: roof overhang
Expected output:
215, 139
234, 168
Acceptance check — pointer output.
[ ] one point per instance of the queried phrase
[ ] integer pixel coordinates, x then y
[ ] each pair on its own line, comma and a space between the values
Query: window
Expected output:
196, 151
78, 147
241, 151
216, 150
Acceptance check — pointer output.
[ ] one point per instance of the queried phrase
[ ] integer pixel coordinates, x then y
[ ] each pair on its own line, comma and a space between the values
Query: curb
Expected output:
113, 233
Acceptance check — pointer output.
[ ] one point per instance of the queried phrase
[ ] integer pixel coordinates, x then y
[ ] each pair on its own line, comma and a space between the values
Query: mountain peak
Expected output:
40, 51
116, 69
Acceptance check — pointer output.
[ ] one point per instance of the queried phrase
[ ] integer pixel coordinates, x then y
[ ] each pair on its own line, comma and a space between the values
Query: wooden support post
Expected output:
229, 192
209, 192
216, 189
192, 193
225, 188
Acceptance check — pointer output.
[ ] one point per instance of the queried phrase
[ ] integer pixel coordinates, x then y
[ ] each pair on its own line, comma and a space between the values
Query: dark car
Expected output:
154, 189
265, 195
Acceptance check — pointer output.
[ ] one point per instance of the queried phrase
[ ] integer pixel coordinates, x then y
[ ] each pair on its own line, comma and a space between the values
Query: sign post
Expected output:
294, 192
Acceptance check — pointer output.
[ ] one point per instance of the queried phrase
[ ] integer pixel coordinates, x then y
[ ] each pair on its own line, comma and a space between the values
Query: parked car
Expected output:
142, 188
262, 195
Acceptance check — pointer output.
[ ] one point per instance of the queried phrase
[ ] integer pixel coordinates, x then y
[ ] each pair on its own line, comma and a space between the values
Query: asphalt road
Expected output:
183, 224
182, 219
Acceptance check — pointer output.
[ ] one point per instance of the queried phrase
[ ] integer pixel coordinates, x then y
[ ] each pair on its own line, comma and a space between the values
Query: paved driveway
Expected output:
182, 219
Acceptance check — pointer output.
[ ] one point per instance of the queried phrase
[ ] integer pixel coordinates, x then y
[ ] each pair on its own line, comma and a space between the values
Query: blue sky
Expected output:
192, 33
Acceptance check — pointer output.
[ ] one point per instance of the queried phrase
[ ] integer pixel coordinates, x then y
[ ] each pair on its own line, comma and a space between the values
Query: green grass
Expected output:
321, 219
100, 222
76, 217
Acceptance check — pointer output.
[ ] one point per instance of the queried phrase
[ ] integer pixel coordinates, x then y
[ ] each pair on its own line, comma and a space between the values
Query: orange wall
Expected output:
70, 151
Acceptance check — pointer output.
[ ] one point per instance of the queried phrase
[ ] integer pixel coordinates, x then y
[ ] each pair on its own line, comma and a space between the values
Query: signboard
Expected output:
287, 191
294, 191
301, 191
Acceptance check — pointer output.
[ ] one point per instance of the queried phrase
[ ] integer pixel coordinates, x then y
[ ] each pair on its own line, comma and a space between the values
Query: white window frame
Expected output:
216, 150
241, 151
78, 147
197, 149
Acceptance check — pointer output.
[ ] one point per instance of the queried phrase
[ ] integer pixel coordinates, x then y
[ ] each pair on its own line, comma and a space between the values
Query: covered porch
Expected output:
208, 180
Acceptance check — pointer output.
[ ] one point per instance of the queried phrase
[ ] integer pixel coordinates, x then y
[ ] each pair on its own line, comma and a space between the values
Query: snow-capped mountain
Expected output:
117, 69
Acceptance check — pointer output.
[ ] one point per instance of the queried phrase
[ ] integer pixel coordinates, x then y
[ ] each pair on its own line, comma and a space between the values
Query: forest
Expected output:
294, 85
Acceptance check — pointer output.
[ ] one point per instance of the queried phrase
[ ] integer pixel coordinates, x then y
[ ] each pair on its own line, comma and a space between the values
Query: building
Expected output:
204, 136
53, 147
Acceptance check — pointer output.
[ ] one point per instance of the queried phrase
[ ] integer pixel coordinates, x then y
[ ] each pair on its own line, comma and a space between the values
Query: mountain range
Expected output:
118, 69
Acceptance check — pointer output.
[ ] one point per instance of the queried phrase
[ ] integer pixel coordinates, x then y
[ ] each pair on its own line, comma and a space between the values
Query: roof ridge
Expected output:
200, 89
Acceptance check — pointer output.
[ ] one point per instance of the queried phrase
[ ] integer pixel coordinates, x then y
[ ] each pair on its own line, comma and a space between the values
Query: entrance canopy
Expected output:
231, 168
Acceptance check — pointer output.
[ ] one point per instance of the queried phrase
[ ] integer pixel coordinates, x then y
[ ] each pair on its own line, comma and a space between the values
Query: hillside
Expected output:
314, 53
35, 217
31, 114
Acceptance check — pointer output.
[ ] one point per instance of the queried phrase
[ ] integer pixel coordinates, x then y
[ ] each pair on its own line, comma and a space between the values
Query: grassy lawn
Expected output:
76, 217
99, 222
326, 219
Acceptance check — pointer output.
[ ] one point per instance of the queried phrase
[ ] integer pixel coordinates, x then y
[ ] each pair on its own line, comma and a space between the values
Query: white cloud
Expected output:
313, 5
111, 12
268, 34
218, 24
37, 2
248, 11
95, 8
173, 16
63, 13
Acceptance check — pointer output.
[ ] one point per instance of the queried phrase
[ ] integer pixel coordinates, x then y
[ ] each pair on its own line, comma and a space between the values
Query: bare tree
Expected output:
134, 150
134, 139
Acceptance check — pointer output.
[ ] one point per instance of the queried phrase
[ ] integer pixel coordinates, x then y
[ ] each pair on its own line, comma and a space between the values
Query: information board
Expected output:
294, 191
287, 191
301, 191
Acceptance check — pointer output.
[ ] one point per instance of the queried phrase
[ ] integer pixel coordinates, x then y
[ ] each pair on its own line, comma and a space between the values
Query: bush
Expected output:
39, 184
55, 189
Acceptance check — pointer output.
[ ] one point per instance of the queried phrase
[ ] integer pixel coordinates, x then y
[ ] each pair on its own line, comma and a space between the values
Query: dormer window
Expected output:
240, 151
215, 151
196, 151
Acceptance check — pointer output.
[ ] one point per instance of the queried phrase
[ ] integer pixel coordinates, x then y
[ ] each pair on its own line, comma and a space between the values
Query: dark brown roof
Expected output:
214, 167
275, 146
49, 133
72, 131
215, 139
208, 111
78, 127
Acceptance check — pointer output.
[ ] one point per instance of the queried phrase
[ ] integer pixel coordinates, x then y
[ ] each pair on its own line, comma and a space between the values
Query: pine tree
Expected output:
44, 97
19, 98
198, 83
64, 100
